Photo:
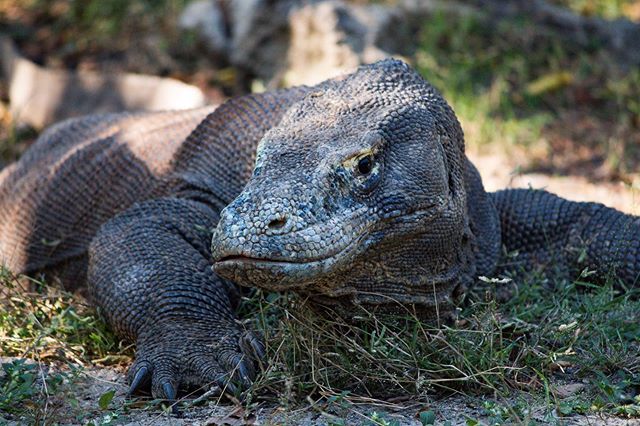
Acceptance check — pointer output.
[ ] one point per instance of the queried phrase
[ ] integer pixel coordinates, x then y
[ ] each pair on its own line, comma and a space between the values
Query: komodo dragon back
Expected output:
79, 174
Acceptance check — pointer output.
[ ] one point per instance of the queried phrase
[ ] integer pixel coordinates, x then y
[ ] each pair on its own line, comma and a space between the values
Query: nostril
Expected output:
277, 223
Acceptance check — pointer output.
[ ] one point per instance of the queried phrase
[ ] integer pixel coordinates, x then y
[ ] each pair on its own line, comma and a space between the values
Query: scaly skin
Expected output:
566, 237
353, 191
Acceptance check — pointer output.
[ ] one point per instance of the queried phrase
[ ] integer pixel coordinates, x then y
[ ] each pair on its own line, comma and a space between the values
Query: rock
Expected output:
290, 42
327, 39
334, 37
40, 96
260, 32
206, 18
252, 35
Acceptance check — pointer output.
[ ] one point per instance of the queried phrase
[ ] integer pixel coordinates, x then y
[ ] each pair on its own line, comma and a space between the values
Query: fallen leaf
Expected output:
549, 82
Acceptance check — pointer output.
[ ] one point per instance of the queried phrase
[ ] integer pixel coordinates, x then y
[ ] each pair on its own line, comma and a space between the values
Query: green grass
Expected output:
61, 336
515, 352
608, 9
13, 142
114, 36
47, 323
86, 26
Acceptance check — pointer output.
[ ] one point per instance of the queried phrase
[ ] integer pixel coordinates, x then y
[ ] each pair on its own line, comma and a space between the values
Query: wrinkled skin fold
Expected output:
356, 190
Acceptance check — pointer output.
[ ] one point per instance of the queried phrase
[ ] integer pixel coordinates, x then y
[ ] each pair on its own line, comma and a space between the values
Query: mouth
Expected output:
240, 259
277, 274
272, 274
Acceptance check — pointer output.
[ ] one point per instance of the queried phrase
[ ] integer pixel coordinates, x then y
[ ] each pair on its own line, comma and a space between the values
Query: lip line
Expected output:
254, 260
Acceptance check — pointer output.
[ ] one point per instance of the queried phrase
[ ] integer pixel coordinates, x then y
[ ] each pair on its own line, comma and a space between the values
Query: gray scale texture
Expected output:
160, 216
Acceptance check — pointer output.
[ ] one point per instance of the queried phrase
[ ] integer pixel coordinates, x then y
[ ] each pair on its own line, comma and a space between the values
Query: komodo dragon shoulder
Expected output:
357, 190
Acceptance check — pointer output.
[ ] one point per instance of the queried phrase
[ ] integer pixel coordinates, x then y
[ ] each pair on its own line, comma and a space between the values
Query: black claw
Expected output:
256, 345
170, 393
244, 371
174, 409
141, 377
259, 349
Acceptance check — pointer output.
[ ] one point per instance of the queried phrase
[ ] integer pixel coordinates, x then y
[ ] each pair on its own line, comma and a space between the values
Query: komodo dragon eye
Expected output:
365, 165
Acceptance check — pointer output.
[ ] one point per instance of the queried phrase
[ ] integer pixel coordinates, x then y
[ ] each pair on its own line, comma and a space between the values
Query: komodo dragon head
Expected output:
359, 193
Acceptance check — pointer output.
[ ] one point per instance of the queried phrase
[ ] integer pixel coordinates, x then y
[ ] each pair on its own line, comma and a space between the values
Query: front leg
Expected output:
547, 229
150, 273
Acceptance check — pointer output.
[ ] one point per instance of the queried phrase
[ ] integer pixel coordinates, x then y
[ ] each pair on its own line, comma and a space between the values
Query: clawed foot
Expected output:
174, 355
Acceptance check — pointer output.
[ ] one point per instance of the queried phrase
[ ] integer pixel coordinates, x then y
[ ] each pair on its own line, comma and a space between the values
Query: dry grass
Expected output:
519, 348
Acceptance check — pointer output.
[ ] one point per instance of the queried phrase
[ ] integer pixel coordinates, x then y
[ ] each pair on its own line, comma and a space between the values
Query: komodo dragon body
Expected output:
357, 190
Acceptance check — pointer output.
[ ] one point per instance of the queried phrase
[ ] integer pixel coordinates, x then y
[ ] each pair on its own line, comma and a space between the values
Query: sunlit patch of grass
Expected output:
13, 142
483, 78
50, 336
516, 349
50, 324
13, 139
608, 9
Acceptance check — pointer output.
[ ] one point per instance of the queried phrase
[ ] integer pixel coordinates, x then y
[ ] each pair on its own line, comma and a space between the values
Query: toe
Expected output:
239, 366
212, 374
244, 370
170, 393
164, 383
252, 345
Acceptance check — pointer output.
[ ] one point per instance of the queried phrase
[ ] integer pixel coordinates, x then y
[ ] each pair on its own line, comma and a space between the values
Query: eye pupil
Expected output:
365, 164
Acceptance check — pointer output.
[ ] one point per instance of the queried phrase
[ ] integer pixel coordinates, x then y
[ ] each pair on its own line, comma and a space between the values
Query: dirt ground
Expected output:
457, 410
499, 172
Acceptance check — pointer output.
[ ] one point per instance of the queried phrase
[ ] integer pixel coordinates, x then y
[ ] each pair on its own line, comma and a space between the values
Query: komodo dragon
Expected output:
356, 190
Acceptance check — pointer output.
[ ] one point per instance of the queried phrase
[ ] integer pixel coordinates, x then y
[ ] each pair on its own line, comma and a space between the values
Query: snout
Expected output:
279, 256
253, 232
255, 244
258, 256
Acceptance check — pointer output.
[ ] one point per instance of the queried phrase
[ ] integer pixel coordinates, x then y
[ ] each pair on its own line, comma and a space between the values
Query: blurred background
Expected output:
548, 92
